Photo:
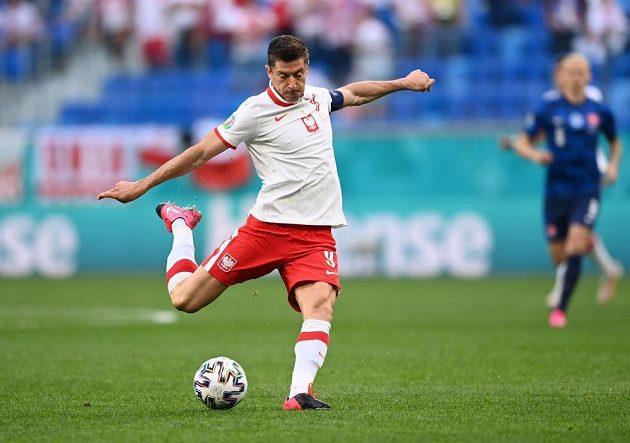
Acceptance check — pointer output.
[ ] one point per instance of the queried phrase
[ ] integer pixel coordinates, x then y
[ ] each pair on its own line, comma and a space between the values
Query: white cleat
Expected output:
608, 284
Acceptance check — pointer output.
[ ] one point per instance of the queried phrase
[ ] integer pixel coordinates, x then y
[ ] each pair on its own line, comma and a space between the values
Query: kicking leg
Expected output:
189, 286
316, 300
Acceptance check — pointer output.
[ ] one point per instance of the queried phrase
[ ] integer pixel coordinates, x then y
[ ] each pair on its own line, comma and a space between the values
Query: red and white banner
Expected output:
228, 170
12, 149
79, 162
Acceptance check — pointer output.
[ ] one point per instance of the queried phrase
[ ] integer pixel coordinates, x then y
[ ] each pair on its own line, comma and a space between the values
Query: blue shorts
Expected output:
560, 213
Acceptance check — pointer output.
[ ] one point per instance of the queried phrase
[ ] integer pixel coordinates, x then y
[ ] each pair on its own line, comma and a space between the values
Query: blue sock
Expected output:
571, 276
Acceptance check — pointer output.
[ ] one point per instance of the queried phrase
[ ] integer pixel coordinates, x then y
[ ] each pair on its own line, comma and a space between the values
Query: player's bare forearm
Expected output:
360, 93
615, 157
179, 165
524, 146
616, 150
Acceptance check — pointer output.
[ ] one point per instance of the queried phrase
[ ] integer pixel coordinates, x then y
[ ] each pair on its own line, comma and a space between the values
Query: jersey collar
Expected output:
275, 97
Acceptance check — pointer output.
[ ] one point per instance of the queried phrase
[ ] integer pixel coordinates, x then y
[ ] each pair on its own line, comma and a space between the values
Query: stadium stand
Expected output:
498, 56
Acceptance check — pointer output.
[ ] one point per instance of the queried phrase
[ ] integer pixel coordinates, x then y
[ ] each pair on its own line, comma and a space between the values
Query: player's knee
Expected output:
578, 246
183, 302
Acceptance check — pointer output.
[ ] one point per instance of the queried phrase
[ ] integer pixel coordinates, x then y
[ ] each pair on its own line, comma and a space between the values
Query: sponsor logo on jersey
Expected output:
310, 123
229, 122
315, 102
227, 262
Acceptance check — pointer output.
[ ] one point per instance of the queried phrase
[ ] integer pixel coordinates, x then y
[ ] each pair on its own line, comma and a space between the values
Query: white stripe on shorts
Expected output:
214, 258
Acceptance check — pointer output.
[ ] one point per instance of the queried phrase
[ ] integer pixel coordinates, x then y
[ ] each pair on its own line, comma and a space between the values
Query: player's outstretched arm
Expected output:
360, 93
191, 158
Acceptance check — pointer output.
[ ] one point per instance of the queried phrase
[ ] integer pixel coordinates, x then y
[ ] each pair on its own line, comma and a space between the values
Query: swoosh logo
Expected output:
281, 117
330, 272
169, 210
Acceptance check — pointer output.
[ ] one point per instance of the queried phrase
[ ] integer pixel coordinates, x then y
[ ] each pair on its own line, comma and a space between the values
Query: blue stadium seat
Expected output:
80, 114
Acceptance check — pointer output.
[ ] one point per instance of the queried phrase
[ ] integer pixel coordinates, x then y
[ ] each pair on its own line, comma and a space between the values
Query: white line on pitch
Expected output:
45, 317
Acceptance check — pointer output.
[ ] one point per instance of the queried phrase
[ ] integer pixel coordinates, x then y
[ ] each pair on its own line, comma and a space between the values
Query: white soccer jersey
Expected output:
291, 147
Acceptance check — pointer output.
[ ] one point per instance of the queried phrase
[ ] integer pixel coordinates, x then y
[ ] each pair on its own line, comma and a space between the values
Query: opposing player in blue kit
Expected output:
570, 123
611, 271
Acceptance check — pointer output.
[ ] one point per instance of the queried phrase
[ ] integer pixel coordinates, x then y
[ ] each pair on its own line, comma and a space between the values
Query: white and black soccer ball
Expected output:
220, 383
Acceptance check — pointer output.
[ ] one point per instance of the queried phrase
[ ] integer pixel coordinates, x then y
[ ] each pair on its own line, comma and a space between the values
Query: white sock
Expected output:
558, 285
310, 352
602, 258
181, 261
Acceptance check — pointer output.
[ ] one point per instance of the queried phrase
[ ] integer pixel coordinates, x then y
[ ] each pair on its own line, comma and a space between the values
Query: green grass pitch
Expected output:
99, 359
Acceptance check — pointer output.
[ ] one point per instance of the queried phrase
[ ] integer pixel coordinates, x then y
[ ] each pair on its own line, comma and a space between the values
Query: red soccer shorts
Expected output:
302, 254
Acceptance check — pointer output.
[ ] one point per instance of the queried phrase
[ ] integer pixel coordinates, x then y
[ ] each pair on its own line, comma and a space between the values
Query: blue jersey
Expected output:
571, 132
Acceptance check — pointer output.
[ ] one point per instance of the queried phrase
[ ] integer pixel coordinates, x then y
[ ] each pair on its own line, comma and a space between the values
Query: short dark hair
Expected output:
286, 48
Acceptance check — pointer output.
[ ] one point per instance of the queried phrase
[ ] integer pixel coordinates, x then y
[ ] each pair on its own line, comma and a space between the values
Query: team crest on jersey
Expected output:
229, 122
593, 119
576, 120
310, 123
227, 262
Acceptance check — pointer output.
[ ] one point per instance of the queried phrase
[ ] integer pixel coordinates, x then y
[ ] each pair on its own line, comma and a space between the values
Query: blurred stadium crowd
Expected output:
186, 46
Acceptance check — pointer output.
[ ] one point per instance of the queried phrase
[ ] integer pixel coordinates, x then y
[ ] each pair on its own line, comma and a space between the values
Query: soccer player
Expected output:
570, 122
611, 270
288, 133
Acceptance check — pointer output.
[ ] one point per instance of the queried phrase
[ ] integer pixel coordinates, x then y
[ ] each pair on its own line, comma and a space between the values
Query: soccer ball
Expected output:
220, 383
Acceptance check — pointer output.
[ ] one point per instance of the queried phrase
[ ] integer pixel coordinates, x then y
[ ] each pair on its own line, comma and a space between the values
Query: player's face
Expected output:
573, 76
289, 78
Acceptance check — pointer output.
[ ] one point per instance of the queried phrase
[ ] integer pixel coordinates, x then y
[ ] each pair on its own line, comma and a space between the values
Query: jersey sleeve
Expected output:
608, 125
535, 121
239, 127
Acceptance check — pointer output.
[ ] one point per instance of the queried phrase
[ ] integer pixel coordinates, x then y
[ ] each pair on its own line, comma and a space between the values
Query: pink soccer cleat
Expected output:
304, 401
169, 213
557, 319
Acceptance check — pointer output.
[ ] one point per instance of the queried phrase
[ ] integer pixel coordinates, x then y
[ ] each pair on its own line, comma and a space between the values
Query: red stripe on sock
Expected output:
181, 266
316, 335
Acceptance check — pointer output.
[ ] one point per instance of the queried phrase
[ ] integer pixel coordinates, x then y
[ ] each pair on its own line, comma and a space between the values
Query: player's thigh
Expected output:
556, 217
254, 250
318, 265
198, 290
584, 213
578, 240
316, 300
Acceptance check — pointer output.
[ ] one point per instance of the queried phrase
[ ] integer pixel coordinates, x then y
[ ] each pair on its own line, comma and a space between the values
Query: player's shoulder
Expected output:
594, 93
317, 90
551, 95
252, 104
597, 106
550, 100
